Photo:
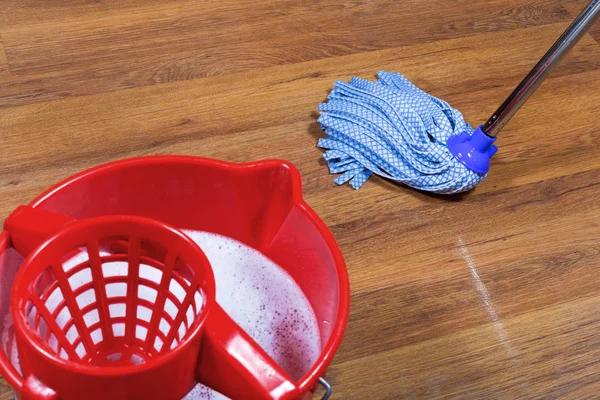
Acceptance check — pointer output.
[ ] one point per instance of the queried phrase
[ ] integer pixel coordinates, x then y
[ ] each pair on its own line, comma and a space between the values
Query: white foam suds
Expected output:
265, 301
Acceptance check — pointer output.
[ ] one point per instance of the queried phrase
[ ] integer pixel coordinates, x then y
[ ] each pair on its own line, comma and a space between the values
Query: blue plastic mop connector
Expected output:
474, 151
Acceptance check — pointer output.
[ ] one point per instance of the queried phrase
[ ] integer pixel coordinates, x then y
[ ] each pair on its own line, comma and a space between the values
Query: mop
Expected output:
393, 129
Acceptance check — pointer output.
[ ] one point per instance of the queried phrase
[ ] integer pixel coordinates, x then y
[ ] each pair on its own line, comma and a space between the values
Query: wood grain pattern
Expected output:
53, 48
492, 294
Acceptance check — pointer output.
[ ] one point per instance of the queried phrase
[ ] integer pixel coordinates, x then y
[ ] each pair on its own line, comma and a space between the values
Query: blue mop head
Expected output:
392, 128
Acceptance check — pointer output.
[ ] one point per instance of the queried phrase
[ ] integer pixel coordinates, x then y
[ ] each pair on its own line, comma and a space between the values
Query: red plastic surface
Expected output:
228, 359
228, 354
28, 227
259, 204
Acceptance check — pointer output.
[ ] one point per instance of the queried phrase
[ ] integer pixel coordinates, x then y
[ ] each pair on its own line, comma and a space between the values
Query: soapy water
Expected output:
260, 296
265, 301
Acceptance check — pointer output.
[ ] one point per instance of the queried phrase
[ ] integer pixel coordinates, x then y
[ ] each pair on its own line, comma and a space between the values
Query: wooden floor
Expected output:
491, 295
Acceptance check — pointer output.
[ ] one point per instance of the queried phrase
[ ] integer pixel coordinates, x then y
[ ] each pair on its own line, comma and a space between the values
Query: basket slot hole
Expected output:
31, 314
86, 298
151, 250
96, 336
54, 300
158, 343
117, 310
74, 259
80, 278
42, 328
177, 290
141, 332
118, 289
182, 331
170, 308
44, 282
80, 350
164, 326
144, 313
91, 317
174, 344
118, 329
150, 273
72, 334
184, 272
198, 301
63, 317
190, 316
147, 293
63, 354
114, 357
53, 342
115, 268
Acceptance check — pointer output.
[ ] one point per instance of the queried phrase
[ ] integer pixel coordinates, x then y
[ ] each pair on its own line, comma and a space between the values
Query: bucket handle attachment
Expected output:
327, 388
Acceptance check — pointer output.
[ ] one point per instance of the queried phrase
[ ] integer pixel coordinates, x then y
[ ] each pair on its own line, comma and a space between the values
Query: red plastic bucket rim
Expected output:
329, 349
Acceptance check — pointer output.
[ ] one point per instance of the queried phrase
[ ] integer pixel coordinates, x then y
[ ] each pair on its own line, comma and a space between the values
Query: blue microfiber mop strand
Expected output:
393, 129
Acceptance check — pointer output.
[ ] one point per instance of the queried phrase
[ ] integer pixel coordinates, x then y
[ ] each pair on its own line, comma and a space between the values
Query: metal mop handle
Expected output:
537, 75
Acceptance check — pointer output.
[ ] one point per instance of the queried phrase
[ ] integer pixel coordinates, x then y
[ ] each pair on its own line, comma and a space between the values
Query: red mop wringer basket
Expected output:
118, 308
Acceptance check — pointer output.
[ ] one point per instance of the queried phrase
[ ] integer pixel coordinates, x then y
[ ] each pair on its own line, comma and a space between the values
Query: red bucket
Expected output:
259, 204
